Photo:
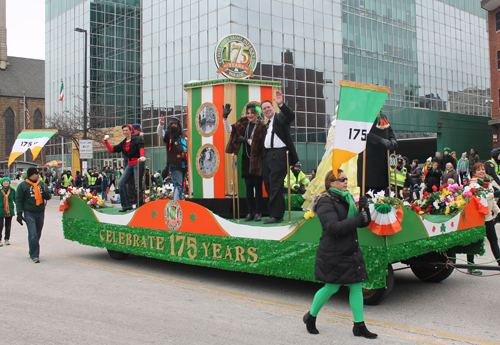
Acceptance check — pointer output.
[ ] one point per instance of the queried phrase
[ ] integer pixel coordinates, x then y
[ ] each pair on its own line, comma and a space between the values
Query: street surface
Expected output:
79, 295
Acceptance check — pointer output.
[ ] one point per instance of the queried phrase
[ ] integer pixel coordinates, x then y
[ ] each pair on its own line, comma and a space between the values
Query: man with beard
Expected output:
176, 145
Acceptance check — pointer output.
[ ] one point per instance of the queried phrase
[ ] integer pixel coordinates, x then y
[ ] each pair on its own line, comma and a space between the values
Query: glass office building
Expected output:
113, 61
433, 54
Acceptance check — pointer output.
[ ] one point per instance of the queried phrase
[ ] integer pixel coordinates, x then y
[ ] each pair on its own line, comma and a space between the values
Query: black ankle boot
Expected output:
310, 322
360, 330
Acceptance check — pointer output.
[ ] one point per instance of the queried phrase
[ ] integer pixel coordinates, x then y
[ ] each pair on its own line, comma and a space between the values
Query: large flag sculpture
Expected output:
359, 105
30, 139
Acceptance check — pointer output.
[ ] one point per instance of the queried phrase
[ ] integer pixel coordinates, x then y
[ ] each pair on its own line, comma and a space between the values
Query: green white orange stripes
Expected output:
359, 105
61, 92
30, 139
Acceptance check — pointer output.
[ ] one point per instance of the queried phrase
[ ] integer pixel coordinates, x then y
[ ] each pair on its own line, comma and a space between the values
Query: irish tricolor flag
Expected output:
30, 139
359, 105
61, 92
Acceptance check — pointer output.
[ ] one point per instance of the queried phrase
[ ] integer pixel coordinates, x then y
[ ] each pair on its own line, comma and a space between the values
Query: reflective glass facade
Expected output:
433, 54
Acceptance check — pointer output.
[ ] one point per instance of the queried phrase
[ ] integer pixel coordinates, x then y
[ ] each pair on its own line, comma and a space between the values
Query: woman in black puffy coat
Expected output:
339, 260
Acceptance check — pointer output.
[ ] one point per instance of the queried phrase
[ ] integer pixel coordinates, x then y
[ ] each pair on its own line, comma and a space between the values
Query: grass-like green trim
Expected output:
232, 81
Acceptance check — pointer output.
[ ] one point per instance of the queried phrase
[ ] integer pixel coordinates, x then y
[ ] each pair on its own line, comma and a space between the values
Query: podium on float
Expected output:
210, 169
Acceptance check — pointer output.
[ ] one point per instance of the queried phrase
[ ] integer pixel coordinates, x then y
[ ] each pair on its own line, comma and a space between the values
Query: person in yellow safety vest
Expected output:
401, 178
67, 179
492, 165
298, 180
92, 176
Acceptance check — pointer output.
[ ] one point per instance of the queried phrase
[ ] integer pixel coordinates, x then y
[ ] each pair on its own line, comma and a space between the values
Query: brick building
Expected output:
493, 8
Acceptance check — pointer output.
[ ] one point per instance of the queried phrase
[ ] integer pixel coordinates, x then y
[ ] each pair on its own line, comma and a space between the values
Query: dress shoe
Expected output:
272, 220
249, 217
258, 217
360, 330
125, 210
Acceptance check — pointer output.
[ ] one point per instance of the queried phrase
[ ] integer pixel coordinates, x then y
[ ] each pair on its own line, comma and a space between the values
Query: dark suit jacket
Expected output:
281, 128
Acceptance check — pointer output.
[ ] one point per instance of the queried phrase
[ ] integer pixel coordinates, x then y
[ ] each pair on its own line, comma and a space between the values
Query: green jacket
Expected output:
25, 198
11, 199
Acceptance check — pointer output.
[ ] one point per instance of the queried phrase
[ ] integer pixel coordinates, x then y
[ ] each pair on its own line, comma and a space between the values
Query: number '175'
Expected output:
354, 133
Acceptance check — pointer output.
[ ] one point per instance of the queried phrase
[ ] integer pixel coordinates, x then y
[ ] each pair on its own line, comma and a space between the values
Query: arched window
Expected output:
10, 135
37, 120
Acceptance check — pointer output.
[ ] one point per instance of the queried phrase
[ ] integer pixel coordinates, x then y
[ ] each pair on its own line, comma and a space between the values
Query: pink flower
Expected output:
356, 199
469, 194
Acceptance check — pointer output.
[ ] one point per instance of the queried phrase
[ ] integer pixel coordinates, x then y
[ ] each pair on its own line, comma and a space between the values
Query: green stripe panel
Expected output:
360, 104
197, 183
241, 102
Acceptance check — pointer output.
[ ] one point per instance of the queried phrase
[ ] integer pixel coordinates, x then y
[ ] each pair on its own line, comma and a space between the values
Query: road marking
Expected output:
386, 328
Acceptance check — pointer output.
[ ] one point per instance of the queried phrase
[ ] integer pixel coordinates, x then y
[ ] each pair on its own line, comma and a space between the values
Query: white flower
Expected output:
370, 193
392, 194
436, 204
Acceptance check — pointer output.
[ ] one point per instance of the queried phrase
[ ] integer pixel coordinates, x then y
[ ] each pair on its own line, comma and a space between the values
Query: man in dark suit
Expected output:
277, 141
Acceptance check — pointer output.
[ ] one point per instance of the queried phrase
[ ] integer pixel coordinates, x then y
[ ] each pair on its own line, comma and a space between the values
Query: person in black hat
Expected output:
176, 146
31, 209
298, 180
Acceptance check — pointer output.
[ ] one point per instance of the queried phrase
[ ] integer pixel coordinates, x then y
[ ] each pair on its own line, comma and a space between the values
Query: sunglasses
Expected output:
342, 179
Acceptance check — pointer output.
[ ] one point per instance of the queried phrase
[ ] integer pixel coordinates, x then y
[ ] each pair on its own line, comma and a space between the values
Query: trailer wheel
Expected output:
376, 296
428, 273
117, 255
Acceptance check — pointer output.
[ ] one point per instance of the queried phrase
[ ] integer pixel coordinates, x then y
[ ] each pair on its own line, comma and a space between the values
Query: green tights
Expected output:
355, 299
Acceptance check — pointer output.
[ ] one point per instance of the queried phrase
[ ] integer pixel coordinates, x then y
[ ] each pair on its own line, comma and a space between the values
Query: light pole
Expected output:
84, 86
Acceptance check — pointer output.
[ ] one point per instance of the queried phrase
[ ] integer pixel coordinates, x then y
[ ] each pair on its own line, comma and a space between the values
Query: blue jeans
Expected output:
131, 172
178, 177
34, 223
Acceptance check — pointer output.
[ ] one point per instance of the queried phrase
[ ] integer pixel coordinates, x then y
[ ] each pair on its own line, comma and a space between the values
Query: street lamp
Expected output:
84, 86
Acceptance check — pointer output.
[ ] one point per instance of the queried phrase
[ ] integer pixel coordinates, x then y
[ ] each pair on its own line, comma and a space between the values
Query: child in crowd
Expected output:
6, 208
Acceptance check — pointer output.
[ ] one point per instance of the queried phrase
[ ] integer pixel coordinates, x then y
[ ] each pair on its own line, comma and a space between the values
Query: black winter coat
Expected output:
339, 259
448, 159
433, 178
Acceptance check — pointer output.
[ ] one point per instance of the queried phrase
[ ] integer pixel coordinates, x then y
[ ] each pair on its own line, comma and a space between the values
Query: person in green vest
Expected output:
298, 180
492, 165
401, 178
6, 208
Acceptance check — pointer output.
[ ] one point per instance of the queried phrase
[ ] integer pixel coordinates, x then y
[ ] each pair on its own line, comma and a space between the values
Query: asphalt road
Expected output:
79, 295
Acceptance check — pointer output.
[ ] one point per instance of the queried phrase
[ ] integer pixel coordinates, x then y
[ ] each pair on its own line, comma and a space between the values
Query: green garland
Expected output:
296, 201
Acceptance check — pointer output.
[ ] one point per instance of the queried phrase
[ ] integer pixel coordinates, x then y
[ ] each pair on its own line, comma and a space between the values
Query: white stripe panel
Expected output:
118, 219
207, 96
254, 93
437, 226
274, 233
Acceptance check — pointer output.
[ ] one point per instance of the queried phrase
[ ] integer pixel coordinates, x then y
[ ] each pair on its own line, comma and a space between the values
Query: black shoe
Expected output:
125, 210
272, 220
360, 330
310, 322
249, 217
258, 217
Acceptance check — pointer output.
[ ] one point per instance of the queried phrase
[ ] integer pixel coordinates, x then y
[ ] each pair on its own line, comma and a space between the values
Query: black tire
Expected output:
376, 296
426, 272
117, 255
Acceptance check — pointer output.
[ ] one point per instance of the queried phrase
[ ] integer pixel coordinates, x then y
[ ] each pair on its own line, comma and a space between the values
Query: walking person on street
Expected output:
463, 167
339, 260
31, 209
6, 208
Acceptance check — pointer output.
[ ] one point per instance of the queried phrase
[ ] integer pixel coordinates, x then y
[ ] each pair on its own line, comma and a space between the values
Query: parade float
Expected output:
200, 230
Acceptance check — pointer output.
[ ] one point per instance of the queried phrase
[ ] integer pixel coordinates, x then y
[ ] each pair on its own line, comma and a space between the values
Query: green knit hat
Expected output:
4, 179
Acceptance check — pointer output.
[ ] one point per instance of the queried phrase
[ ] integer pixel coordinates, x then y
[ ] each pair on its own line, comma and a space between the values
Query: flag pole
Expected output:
24, 117
364, 174
288, 183
389, 170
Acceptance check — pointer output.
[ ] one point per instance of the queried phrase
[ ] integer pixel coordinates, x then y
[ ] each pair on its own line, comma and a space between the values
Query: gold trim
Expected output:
217, 161
197, 119
365, 86
294, 230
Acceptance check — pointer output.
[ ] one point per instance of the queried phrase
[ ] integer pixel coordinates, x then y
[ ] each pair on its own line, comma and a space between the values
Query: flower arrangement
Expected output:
158, 193
447, 200
381, 198
91, 198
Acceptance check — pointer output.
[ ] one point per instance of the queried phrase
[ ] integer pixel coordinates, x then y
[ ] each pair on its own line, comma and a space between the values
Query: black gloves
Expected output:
363, 202
241, 139
227, 109
20, 218
386, 143
394, 144
363, 219
497, 194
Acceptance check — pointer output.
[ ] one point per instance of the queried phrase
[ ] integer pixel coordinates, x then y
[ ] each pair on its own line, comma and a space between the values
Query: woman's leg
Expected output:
322, 296
356, 301
8, 225
258, 193
250, 196
491, 235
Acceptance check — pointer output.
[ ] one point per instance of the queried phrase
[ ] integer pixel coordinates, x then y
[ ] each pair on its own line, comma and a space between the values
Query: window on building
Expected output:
498, 59
37, 120
497, 20
10, 135
499, 98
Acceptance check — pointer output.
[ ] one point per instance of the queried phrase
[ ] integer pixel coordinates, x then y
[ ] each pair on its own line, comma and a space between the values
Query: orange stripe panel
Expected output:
266, 93
218, 138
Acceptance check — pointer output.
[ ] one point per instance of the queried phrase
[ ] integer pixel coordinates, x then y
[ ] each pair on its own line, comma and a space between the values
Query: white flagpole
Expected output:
24, 117
62, 154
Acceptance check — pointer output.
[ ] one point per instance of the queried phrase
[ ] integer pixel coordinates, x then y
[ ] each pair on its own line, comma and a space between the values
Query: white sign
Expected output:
86, 149
84, 167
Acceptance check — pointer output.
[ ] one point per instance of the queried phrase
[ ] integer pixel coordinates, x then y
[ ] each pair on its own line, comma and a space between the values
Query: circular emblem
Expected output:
235, 57
207, 119
207, 161
393, 161
173, 215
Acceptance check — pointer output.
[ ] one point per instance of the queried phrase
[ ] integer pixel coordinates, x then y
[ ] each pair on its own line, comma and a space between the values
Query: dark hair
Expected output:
128, 126
251, 108
406, 159
416, 161
330, 177
266, 100
476, 167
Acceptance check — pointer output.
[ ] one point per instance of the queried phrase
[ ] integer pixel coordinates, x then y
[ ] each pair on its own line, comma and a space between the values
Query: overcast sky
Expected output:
26, 28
